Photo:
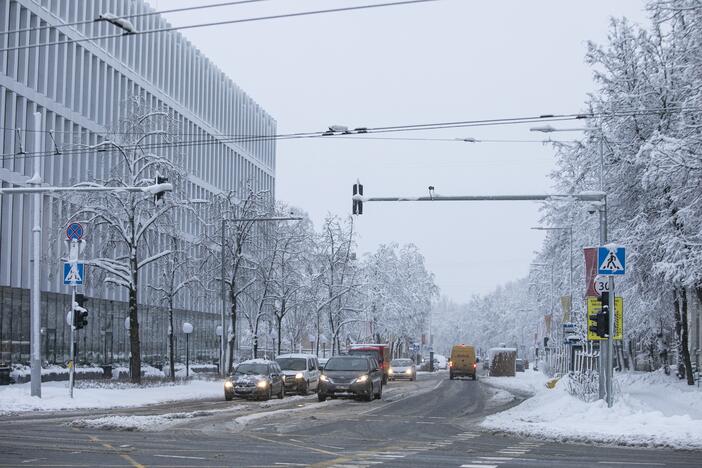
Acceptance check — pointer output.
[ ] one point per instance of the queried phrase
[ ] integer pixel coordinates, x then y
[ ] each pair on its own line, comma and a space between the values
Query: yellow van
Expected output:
463, 362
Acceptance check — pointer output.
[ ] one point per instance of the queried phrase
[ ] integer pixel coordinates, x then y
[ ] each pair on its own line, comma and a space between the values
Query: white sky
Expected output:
440, 61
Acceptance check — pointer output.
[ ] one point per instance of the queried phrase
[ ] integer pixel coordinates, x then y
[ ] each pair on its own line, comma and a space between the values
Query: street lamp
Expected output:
551, 129
187, 329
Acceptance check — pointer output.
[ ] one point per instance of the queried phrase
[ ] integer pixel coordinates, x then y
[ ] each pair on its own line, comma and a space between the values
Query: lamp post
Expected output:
187, 329
224, 221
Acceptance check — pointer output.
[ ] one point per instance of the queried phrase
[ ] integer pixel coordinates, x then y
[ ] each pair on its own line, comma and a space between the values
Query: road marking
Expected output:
477, 465
426, 422
124, 456
180, 456
289, 464
497, 458
630, 463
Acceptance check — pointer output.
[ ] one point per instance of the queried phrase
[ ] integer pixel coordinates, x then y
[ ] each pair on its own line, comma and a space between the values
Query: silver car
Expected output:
402, 369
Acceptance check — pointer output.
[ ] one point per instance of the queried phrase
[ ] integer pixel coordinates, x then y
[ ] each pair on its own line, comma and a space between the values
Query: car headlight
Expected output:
390, 371
299, 375
324, 378
228, 384
262, 384
408, 371
362, 379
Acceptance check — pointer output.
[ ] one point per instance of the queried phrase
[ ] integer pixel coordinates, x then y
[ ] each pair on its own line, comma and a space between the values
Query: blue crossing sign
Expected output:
73, 273
611, 260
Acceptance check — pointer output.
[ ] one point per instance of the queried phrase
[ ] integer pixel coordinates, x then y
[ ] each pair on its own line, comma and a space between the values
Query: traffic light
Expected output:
601, 318
80, 314
158, 196
357, 199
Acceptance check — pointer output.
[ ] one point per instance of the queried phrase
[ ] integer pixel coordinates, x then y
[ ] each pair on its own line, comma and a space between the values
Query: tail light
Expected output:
450, 364
475, 365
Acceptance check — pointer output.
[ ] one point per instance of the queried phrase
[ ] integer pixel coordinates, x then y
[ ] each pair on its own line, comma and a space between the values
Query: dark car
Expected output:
358, 376
256, 378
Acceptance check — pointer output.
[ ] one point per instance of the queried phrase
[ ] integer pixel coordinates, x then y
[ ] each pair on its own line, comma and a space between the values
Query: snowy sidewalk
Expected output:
652, 410
16, 398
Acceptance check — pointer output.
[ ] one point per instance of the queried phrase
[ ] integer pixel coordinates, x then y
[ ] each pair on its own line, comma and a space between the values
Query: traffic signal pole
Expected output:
598, 199
72, 369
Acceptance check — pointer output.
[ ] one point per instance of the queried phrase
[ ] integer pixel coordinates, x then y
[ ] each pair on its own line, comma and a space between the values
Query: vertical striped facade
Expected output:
81, 89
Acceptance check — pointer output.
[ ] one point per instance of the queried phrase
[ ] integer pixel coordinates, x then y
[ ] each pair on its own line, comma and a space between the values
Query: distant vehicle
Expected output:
463, 362
486, 364
519, 365
402, 369
322, 362
300, 372
502, 362
440, 362
380, 352
358, 376
255, 378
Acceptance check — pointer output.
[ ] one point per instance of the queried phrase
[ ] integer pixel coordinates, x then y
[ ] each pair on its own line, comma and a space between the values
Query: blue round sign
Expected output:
74, 231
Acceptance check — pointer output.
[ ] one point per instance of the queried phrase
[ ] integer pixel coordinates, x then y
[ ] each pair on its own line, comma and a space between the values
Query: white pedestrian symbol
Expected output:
611, 262
73, 276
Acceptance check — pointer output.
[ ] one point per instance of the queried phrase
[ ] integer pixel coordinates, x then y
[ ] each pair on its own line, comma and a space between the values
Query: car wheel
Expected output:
369, 395
475, 377
228, 396
304, 391
385, 379
379, 395
450, 376
281, 395
322, 397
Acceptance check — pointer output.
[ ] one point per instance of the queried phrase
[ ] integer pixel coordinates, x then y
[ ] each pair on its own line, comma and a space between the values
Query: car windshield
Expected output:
251, 369
292, 363
401, 362
346, 365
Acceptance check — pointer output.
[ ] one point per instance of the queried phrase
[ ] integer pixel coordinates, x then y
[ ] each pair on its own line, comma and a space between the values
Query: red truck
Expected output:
381, 352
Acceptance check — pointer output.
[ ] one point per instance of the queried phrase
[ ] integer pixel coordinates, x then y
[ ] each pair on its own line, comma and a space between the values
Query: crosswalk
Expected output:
369, 458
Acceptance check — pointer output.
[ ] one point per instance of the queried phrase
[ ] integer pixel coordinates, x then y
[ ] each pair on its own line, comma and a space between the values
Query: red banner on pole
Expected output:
590, 270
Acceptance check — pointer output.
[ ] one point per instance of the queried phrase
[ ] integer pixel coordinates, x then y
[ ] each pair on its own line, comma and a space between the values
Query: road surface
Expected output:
432, 422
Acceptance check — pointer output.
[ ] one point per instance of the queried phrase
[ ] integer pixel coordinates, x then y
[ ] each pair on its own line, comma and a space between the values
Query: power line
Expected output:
213, 139
217, 23
136, 15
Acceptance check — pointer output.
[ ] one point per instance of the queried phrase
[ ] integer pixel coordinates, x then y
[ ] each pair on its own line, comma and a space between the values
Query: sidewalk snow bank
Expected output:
16, 398
652, 410
156, 422
525, 383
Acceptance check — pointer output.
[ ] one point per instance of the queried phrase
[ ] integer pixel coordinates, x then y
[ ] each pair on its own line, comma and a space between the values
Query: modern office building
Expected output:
80, 86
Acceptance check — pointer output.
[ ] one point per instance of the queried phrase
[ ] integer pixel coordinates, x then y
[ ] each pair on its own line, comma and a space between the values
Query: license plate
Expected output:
342, 387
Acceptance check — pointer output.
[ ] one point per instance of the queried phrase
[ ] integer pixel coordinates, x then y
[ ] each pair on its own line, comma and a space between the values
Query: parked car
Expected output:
255, 378
358, 376
440, 362
322, 362
380, 352
300, 372
519, 365
402, 369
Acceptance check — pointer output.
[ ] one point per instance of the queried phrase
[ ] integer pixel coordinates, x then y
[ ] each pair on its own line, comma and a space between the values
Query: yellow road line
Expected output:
119, 452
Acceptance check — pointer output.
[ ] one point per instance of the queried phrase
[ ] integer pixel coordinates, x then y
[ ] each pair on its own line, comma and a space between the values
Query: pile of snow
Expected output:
20, 373
156, 422
16, 398
523, 384
652, 410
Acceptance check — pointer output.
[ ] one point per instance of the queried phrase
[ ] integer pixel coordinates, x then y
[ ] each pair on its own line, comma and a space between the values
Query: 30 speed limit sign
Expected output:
601, 284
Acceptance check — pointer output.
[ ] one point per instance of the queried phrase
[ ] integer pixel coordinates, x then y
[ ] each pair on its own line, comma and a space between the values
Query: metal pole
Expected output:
222, 352
603, 359
71, 371
187, 355
36, 266
610, 345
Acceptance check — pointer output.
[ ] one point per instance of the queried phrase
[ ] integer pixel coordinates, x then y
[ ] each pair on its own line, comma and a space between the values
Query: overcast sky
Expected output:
440, 61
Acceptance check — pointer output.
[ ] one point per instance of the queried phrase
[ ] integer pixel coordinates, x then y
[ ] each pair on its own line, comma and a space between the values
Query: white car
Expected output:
440, 361
300, 372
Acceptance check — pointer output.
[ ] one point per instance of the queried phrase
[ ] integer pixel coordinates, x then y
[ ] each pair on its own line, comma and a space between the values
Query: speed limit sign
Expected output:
601, 284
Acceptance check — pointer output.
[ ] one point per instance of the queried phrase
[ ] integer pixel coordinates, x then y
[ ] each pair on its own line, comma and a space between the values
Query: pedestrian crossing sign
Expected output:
611, 260
73, 273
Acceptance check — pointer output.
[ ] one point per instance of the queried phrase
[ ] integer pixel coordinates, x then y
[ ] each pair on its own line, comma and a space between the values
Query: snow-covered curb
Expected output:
16, 398
241, 422
651, 411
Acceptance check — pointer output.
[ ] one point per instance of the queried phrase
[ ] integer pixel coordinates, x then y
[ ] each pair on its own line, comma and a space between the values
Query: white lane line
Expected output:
426, 422
630, 463
497, 458
478, 466
181, 456
289, 464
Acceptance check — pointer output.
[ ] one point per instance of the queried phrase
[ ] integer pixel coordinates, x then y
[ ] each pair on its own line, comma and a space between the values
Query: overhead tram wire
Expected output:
135, 15
305, 135
217, 139
217, 23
